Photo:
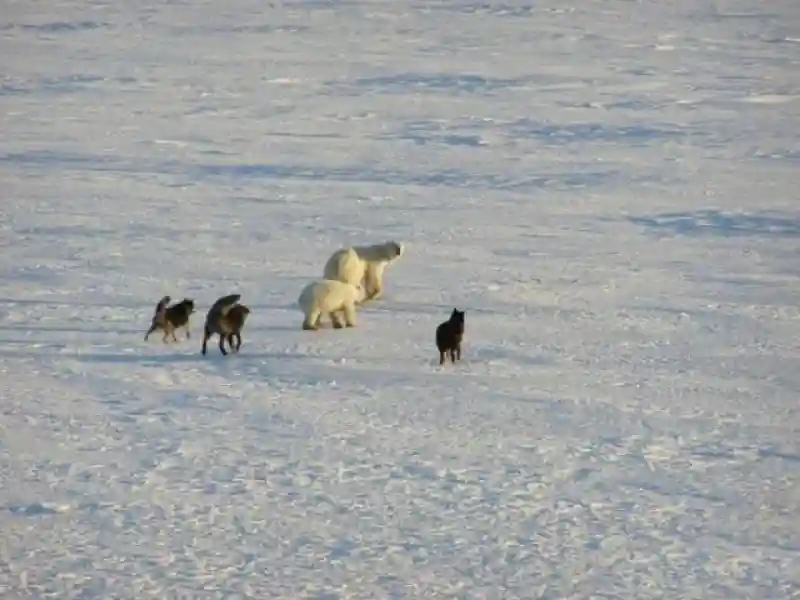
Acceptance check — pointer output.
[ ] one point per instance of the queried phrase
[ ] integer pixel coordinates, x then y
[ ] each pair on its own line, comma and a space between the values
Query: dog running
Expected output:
226, 318
171, 318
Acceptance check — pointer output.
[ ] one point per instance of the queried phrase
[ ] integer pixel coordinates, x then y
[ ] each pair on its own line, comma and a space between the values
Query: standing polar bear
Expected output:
363, 265
333, 298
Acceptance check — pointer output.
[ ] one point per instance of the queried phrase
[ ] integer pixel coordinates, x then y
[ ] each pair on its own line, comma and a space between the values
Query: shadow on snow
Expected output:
452, 177
715, 222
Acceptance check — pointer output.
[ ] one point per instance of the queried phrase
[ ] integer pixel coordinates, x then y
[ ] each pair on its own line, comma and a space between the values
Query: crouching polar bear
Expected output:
363, 265
329, 297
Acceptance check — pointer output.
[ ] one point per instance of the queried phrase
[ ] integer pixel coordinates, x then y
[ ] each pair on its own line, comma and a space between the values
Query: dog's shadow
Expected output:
268, 328
62, 329
213, 356
84, 304
130, 358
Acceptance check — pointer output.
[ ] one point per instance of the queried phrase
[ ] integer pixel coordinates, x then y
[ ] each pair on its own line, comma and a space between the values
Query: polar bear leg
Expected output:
350, 315
336, 319
312, 320
374, 280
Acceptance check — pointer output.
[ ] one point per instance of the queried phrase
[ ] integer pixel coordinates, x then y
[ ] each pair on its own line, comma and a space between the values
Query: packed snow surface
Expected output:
608, 188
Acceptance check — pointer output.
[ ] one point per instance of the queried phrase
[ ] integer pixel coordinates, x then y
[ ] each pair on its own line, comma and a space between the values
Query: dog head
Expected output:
189, 304
457, 317
237, 315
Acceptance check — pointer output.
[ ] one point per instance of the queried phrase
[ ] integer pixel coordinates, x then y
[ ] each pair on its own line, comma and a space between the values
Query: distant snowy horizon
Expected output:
608, 189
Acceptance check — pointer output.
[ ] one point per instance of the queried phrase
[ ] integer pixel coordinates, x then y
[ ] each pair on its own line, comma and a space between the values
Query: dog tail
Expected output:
224, 304
158, 316
219, 309
162, 305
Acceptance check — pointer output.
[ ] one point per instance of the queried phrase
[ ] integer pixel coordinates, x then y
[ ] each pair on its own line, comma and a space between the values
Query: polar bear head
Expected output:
396, 249
361, 293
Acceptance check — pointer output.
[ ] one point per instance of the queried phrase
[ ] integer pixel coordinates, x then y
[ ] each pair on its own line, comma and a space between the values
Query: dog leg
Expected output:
458, 352
238, 341
222, 345
206, 335
441, 357
149, 331
452, 355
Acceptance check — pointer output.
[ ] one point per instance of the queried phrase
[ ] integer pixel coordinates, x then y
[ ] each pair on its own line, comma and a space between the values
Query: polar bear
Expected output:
363, 265
329, 297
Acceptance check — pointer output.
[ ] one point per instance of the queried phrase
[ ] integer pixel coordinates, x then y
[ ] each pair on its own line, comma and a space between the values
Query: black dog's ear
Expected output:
454, 313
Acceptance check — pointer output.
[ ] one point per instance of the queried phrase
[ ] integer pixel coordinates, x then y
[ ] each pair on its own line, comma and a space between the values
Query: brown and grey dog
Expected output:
171, 318
226, 319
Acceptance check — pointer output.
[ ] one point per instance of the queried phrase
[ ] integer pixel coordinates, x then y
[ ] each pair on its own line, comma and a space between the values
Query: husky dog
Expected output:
449, 335
363, 265
226, 318
170, 318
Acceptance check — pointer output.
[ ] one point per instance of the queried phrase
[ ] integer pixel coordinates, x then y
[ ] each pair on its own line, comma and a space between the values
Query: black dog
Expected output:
171, 318
449, 335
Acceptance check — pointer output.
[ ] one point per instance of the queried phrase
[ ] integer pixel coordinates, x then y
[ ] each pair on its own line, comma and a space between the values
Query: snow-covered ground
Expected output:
608, 188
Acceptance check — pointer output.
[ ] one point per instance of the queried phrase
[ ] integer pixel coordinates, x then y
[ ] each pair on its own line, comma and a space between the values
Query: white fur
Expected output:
328, 297
363, 265
345, 265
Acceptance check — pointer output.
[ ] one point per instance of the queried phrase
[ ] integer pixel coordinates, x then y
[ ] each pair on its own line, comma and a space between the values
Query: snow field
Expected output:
607, 189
